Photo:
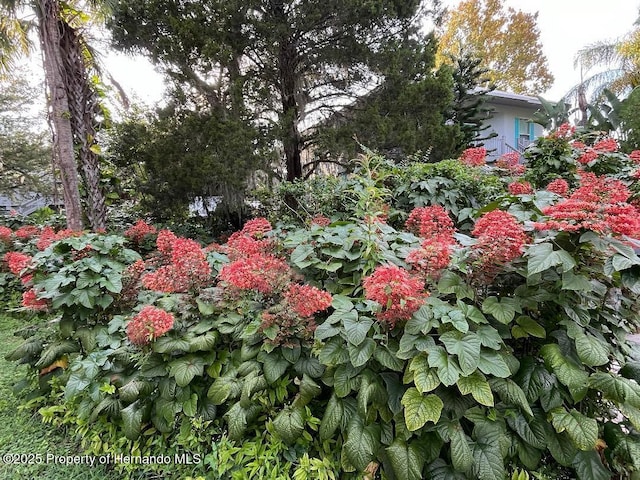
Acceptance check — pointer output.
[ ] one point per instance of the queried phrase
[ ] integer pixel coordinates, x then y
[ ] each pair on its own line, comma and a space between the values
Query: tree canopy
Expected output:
285, 65
507, 41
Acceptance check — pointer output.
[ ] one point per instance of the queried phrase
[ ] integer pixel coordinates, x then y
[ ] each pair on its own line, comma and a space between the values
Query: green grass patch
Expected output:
22, 431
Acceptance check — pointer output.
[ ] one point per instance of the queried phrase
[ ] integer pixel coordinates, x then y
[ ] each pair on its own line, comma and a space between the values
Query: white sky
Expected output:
565, 27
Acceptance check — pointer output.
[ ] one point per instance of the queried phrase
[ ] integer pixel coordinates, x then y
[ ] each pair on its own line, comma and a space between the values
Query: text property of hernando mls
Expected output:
93, 460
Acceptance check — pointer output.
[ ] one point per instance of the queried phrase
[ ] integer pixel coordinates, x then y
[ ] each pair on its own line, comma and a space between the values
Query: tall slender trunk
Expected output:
48, 17
83, 105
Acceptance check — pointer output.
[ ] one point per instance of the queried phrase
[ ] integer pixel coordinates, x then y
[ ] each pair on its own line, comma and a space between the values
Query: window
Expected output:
524, 133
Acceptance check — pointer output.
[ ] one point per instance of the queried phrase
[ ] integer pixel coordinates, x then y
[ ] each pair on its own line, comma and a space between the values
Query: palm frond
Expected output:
14, 42
604, 53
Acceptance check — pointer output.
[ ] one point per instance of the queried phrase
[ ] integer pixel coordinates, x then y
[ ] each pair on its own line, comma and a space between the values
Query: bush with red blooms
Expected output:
500, 239
398, 293
31, 301
149, 324
520, 188
265, 273
559, 186
635, 156
138, 232
430, 222
306, 300
27, 232
5, 235
474, 157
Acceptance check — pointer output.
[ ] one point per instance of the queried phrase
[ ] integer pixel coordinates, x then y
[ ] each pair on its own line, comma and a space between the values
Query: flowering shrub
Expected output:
149, 324
5, 235
520, 188
323, 348
138, 232
398, 292
474, 157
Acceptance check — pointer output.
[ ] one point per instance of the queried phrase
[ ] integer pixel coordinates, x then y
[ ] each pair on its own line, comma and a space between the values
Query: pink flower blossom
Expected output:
149, 324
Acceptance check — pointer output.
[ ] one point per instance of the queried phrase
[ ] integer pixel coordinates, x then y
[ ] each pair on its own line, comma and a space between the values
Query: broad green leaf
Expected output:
582, 430
489, 337
592, 352
542, 257
388, 358
289, 424
451, 283
441, 470
300, 255
422, 322
170, 343
530, 327
579, 283
406, 460
472, 313
502, 310
219, 391
461, 453
332, 418
360, 354
488, 463
184, 369
447, 368
532, 432
326, 330
492, 363
310, 366
362, 442
190, 407
566, 370
356, 329
616, 388
465, 347
476, 385
236, 421
333, 352
559, 445
420, 409
511, 393
424, 377
132, 420
588, 466
341, 303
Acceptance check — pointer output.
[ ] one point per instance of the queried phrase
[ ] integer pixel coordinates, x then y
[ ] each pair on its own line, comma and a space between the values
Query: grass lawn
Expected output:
22, 432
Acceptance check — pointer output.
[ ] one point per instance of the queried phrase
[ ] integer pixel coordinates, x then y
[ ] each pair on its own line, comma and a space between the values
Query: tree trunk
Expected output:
60, 114
83, 105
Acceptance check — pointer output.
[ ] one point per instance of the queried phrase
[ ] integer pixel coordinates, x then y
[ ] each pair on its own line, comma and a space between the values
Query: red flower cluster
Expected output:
165, 240
262, 272
5, 234
606, 145
520, 188
17, 262
587, 156
307, 300
27, 232
559, 186
188, 268
431, 258
431, 222
398, 292
257, 227
321, 220
31, 301
500, 238
474, 157
511, 161
598, 205
564, 131
137, 233
149, 324
49, 235
635, 156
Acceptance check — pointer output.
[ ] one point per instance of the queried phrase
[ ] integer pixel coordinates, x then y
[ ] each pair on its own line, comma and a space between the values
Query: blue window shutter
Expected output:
517, 132
532, 132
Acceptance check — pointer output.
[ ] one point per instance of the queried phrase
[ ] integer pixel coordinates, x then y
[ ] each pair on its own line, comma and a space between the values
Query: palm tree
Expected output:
621, 73
71, 96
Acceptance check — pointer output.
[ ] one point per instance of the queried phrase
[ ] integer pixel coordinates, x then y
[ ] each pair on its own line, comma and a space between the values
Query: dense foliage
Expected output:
388, 341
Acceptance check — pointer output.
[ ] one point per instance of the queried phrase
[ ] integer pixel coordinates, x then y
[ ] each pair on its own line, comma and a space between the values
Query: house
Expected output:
24, 204
511, 121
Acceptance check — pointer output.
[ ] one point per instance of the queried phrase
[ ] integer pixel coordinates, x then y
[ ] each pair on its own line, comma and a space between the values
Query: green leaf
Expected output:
578, 283
488, 463
476, 384
492, 363
465, 347
532, 432
559, 445
424, 377
489, 337
356, 329
502, 310
447, 368
406, 460
273, 366
567, 371
332, 418
186, 368
451, 283
511, 393
132, 420
360, 354
300, 255
461, 453
582, 430
289, 424
616, 388
420, 409
362, 443
388, 358
190, 407
333, 352
542, 257
591, 351
530, 328
588, 466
